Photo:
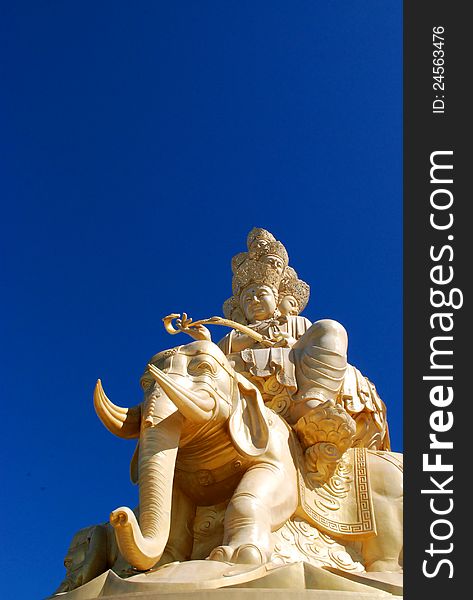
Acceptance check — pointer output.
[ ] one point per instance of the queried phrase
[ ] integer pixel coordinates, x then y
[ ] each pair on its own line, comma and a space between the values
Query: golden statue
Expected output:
304, 363
256, 455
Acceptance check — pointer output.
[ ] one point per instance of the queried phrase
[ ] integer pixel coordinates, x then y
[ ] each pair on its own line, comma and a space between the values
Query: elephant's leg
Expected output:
384, 551
181, 538
265, 498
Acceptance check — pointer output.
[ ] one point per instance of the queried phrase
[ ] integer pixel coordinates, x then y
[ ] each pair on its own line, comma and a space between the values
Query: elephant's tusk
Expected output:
189, 404
122, 422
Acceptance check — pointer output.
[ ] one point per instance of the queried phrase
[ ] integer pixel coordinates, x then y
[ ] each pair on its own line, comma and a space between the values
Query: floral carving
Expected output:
325, 433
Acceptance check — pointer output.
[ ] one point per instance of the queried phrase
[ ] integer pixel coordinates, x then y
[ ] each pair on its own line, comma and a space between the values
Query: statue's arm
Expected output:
235, 341
296, 327
241, 341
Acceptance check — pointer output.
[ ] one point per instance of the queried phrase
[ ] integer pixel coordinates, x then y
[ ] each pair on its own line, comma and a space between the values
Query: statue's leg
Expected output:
181, 539
262, 502
320, 356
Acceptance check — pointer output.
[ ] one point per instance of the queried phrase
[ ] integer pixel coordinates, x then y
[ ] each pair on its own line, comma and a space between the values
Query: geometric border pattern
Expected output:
363, 523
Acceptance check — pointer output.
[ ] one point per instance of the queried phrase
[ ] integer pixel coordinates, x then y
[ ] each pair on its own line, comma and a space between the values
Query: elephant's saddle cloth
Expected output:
343, 505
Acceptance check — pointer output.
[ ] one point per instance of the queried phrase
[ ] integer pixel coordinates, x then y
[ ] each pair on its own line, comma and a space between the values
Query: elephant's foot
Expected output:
246, 554
221, 554
249, 554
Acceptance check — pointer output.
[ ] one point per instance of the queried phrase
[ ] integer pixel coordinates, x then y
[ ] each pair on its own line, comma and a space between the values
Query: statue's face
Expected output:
288, 306
274, 261
257, 245
258, 303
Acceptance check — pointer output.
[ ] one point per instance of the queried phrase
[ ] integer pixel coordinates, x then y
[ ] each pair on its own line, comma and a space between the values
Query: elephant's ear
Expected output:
248, 426
134, 464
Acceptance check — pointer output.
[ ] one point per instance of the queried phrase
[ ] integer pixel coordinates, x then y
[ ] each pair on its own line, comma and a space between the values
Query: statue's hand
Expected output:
284, 340
197, 332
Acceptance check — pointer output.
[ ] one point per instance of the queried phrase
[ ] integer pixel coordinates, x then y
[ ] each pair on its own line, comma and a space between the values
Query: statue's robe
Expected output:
261, 361
357, 395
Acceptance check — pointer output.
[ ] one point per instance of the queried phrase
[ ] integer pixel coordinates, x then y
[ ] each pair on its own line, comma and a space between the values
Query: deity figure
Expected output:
306, 362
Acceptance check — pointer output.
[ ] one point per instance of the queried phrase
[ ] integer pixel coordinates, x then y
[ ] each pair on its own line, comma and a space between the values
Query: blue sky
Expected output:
140, 143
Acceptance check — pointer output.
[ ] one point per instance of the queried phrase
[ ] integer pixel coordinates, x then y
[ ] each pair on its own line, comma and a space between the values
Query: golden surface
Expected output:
267, 454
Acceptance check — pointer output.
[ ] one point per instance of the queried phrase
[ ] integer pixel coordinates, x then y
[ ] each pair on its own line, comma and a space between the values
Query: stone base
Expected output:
211, 580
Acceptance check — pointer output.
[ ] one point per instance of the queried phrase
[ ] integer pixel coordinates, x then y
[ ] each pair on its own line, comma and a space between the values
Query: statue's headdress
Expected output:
261, 243
291, 285
275, 248
232, 310
258, 266
259, 235
238, 260
255, 272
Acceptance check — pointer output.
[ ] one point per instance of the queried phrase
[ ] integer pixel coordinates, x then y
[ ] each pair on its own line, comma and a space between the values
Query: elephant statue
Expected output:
205, 437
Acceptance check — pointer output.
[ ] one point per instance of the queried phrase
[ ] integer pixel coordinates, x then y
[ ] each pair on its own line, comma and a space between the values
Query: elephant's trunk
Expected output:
142, 545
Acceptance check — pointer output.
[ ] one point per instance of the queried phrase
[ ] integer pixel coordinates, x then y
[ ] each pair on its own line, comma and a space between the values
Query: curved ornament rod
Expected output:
187, 322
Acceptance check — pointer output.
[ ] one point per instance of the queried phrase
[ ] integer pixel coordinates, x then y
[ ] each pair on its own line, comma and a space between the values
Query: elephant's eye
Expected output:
198, 366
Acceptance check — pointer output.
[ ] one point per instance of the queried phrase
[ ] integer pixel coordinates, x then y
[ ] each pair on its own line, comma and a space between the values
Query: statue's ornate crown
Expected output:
275, 248
259, 234
291, 285
232, 310
254, 267
238, 260
262, 243
254, 271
